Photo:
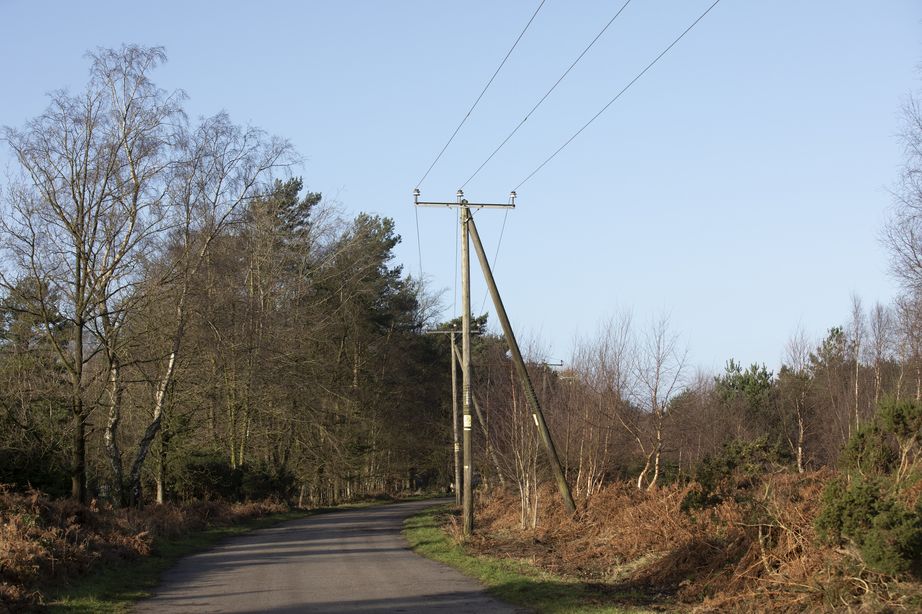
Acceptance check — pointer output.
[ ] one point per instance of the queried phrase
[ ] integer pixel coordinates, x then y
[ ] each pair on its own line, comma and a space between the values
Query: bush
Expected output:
210, 476
865, 508
869, 451
207, 476
893, 545
848, 510
264, 482
733, 471
25, 470
887, 535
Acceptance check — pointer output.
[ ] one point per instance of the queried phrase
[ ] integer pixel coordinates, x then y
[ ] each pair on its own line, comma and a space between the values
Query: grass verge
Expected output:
513, 581
113, 589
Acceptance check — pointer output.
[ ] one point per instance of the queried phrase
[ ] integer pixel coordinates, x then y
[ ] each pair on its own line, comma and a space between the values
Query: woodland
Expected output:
184, 321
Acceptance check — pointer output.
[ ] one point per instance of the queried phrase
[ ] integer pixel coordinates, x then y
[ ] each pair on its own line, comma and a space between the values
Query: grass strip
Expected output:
114, 588
514, 581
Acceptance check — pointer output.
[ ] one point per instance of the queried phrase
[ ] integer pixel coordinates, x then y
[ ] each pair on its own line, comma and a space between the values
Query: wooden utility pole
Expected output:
456, 444
464, 207
537, 414
467, 499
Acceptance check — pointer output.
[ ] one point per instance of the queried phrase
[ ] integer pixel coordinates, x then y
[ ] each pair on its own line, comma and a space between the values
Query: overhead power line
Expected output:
547, 93
482, 92
619, 94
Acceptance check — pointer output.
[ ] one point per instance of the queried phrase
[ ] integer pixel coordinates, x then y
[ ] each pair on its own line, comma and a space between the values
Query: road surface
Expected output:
350, 561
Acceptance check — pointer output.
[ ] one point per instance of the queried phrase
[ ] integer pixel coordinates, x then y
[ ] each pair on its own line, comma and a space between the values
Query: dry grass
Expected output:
43, 541
758, 552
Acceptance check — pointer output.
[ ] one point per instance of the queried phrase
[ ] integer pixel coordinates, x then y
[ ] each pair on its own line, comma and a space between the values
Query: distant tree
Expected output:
599, 397
659, 370
831, 374
751, 394
795, 403
857, 331
880, 348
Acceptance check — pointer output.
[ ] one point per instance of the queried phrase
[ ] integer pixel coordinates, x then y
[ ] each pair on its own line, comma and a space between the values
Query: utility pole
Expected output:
530, 395
464, 208
456, 445
467, 500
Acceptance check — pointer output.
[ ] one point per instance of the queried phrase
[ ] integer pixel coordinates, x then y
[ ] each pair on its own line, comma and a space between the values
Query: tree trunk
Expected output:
111, 434
78, 467
154, 426
161, 465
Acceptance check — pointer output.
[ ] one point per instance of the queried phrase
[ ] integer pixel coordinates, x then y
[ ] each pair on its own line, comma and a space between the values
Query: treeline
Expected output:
628, 405
179, 322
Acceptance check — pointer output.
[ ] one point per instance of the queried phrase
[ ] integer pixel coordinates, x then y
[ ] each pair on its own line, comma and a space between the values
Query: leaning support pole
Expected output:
522, 371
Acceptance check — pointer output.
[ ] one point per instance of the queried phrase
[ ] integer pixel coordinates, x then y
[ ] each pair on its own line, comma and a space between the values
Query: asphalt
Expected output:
350, 561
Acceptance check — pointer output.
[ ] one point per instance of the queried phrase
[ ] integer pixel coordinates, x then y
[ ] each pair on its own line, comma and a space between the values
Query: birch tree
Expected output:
658, 370
88, 197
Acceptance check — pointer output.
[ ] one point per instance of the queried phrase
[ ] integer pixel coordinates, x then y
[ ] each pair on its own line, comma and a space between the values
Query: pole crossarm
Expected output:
465, 204
462, 202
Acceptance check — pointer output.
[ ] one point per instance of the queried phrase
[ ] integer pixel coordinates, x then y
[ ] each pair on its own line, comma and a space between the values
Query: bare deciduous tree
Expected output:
603, 365
659, 370
794, 384
857, 332
88, 199
880, 327
903, 233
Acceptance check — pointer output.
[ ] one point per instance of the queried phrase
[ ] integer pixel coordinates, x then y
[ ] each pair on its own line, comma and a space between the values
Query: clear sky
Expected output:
740, 186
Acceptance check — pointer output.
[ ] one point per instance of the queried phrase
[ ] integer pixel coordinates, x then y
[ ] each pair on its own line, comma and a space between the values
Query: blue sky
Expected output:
740, 186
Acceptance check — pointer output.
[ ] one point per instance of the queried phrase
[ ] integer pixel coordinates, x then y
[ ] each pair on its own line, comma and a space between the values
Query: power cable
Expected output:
482, 92
547, 93
612, 101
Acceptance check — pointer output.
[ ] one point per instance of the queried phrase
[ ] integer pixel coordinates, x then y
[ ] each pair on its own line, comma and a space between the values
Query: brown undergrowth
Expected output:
754, 551
43, 541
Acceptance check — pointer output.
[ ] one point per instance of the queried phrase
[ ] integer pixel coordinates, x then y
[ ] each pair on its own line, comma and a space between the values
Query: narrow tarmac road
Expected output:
350, 561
